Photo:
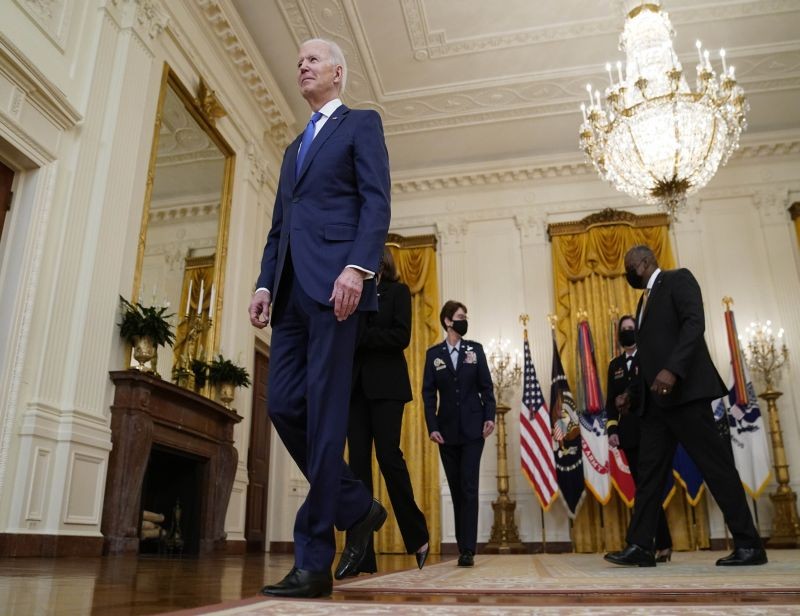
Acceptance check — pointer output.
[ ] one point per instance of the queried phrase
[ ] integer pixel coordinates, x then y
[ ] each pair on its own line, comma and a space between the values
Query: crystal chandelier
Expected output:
653, 137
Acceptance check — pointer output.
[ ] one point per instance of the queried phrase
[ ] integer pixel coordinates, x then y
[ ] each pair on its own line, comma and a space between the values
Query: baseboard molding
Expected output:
231, 546
48, 546
281, 547
529, 547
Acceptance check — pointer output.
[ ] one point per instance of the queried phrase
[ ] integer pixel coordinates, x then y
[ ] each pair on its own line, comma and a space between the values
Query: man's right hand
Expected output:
259, 308
613, 440
436, 437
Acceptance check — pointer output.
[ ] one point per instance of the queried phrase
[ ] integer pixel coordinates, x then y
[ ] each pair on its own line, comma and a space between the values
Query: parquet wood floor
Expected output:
135, 586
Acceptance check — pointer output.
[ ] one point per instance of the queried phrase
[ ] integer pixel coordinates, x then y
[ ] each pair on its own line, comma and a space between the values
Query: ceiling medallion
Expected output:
653, 137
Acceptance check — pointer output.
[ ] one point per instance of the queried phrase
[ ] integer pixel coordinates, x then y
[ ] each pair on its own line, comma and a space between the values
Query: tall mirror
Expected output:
183, 238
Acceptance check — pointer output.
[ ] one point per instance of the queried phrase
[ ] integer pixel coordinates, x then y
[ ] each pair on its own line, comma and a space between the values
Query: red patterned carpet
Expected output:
556, 584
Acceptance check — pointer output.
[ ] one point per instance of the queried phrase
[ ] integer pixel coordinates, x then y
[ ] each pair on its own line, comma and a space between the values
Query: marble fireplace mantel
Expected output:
149, 411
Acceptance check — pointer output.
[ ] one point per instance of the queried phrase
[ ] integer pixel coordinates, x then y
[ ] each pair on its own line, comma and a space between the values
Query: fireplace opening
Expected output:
170, 518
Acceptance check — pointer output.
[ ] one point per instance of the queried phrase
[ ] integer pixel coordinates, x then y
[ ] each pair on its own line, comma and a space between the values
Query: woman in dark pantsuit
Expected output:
457, 371
381, 388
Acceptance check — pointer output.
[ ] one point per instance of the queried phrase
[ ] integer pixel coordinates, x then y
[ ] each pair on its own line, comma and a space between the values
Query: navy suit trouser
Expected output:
311, 363
462, 465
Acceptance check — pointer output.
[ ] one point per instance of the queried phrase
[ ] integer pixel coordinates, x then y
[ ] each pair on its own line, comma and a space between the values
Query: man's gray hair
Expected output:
336, 57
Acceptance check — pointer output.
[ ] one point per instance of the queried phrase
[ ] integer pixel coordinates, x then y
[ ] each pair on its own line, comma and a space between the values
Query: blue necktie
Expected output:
305, 144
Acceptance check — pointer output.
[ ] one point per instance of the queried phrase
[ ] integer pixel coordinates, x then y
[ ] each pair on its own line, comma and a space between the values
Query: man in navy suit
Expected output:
679, 381
329, 225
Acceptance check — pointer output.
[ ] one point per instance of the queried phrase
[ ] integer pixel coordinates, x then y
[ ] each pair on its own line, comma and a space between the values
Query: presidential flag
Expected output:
536, 439
592, 415
566, 437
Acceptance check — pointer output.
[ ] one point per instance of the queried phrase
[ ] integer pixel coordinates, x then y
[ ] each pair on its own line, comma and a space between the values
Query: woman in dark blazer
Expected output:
458, 372
381, 388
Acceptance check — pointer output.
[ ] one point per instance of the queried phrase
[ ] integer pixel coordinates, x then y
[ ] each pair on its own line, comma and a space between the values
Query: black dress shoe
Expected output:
283, 583
741, 557
466, 559
303, 584
358, 539
632, 556
422, 556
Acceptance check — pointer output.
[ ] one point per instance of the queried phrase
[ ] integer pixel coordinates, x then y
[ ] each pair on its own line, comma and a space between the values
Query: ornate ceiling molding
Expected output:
488, 177
248, 70
759, 69
147, 17
434, 44
166, 214
51, 17
452, 179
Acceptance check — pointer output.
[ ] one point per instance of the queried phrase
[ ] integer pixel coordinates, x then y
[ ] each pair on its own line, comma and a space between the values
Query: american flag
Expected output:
536, 447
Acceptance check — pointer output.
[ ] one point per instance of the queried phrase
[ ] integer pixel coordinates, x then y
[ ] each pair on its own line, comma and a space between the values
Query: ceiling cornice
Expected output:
519, 171
250, 68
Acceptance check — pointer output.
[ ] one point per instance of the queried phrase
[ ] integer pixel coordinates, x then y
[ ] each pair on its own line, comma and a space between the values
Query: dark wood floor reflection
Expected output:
128, 586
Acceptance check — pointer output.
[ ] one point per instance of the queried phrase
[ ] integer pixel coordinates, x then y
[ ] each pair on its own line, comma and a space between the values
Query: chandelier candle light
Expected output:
655, 138
767, 359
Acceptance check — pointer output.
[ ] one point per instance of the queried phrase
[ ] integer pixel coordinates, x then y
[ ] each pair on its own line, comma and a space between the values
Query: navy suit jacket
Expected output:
336, 213
466, 394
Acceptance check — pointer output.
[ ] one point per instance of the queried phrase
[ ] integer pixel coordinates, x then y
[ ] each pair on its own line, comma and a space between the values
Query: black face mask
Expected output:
627, 337
634, 279
460, 327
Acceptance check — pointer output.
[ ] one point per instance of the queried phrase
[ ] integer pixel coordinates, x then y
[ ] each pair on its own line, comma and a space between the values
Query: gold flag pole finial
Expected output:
524, 318
613, 312
727, 301
582, 315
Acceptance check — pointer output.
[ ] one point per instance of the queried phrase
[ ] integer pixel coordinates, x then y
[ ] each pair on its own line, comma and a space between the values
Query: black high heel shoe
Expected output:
422, 556
664, 556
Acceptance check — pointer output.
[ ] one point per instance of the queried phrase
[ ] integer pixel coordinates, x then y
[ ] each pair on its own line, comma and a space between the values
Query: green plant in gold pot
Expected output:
226, 377
146, 328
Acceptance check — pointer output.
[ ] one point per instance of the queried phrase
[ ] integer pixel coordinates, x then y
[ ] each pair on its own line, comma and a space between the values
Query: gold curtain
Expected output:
794, 210
588, 274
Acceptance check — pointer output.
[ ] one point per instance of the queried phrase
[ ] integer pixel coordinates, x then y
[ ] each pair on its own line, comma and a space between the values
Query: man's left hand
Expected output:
488, 428
663, 383
347, 292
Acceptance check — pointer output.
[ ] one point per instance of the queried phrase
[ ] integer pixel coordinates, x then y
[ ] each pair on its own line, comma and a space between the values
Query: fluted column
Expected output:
453, 251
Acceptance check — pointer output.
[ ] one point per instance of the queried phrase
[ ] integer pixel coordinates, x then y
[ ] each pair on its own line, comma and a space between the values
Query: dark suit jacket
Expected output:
670, 336
337, 211
622, 379
380, 368
466, 395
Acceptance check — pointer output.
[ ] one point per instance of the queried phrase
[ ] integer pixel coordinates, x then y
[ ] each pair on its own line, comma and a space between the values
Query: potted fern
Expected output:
146, 328
226, 377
